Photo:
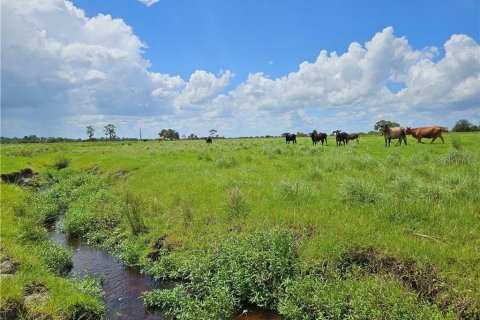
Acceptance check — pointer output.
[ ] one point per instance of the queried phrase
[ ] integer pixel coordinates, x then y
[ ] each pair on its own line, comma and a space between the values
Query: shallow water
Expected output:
123, 286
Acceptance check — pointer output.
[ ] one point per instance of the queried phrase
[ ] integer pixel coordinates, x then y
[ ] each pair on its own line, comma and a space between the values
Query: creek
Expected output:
123, 286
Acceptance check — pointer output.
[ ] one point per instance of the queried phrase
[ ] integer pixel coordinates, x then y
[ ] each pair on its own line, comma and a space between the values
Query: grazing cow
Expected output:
426, 132
352, 136
393, 132
320, 136
290, 137
208, 139
340, 137
161, 138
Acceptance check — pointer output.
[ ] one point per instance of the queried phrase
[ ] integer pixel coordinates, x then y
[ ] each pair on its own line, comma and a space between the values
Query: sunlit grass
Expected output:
416, 202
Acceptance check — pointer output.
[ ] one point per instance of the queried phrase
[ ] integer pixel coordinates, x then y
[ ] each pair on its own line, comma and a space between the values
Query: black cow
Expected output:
352, 136
208, 139
318, 136
340, 137
290, 137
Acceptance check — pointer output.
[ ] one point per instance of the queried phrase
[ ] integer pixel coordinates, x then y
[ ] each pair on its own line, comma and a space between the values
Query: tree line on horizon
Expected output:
109, 131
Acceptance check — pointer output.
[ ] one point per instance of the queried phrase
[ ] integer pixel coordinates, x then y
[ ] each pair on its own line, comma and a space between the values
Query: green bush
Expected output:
353, 298
89, 285
248, 269
56, 257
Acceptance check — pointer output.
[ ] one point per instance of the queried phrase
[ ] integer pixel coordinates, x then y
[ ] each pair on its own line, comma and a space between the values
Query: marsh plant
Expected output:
133, 212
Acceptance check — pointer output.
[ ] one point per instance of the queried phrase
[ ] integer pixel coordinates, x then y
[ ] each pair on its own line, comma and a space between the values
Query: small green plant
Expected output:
89, 285
56, 257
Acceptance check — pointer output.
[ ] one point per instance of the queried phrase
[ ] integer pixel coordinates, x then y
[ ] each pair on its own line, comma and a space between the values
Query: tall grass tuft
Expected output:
133, 212
186, 212
456, 144
61, 163
226, 162
236, 205
359, 191
457, 156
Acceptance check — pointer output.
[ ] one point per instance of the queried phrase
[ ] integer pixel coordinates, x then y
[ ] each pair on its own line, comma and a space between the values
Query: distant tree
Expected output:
212, 132
90, 132
378, 124
109, 130
464, 125
302, 134
192, 136
169, 134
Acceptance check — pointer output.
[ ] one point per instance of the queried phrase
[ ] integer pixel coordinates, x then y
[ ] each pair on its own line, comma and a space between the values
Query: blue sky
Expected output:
243, 67
276, 36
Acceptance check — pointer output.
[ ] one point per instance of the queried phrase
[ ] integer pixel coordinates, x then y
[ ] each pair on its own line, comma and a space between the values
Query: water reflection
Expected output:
123, 286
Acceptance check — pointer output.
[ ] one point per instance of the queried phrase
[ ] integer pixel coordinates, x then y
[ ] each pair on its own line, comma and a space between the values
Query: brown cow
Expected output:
426, 132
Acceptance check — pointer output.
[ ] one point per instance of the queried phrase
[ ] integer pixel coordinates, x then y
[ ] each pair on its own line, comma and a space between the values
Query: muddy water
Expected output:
123, 286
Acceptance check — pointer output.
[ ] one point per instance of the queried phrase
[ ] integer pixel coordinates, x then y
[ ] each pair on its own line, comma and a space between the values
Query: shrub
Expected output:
244, 269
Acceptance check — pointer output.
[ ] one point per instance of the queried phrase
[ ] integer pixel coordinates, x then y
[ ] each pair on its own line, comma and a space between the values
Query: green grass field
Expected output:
361, 232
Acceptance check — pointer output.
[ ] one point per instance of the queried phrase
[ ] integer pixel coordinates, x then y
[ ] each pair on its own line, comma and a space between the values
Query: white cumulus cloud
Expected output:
148, 3
62, 70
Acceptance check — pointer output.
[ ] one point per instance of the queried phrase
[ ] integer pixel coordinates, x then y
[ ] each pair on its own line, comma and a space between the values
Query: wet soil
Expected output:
22, 177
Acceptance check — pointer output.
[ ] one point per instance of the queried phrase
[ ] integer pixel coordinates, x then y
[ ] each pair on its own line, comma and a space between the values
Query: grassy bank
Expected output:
365, 230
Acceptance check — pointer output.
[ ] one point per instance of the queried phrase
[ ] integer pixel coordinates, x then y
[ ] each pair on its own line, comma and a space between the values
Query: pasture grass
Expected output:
191, 205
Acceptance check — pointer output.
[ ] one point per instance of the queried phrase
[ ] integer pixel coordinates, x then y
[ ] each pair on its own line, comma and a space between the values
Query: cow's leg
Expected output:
441, 137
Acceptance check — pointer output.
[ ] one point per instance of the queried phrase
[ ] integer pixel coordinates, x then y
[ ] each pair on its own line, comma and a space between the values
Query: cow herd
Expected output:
386, 131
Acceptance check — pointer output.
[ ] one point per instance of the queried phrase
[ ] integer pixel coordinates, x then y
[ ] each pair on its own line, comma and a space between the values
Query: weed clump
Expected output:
457, 156
56, 257
359, 191
133, 212
226, 162
248, 269
236, 205
61, 163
